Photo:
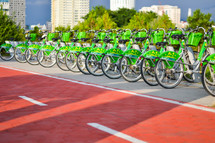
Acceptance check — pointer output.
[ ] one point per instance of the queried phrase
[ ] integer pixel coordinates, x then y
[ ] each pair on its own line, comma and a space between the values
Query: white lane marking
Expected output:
33, 101
116, 133
119, 90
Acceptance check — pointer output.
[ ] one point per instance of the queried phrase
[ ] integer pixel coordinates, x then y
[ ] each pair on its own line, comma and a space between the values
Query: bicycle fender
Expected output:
97, 50
75, 49
6, 46
85, 50
210, 59
169, 55
132, 52
114, 52
64, 48
34, 47
21, 46
152, 54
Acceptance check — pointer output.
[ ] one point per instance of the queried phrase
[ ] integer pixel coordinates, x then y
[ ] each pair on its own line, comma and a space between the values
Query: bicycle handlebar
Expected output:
144, 30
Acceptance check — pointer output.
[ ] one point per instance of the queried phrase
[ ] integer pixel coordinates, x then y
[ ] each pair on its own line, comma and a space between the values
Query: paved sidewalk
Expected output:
82, 112
186, 92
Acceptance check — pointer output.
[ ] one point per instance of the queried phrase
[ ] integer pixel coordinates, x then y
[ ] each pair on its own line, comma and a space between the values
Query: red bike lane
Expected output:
81, 112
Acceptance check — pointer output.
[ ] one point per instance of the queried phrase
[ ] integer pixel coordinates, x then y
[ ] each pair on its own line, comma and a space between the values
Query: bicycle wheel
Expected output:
208, 78
71, 62
46, 59
93, 65
81, 63
168, 77
148, 72
130, 72
110, 69
61, 60
19, 55
31, 56
6, 54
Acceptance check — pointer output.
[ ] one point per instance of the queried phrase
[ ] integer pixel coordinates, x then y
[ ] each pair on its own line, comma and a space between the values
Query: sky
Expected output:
39, 11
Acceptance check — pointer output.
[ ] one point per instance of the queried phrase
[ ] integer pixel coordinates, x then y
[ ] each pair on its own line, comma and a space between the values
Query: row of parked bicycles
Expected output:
132, 54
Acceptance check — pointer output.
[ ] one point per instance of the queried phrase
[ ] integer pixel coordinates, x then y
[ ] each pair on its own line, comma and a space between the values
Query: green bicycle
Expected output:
208, 70
20, 49
172, 66
150, 57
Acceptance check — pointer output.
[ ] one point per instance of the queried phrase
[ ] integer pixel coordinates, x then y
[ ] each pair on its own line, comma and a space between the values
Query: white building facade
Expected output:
117, 4
173, 12
5, 5
41, 27
17, 11
189, 12
49, 25
68, 12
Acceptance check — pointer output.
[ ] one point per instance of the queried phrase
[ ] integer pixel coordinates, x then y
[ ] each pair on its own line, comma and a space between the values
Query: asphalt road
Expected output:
185, 92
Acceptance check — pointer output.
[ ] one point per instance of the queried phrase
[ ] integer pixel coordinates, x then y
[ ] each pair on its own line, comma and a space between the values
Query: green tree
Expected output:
98, 10
141, 20
89, 23
62, 28
96, 23
200, 19
105, 22
122, 16
162, 22
9, 29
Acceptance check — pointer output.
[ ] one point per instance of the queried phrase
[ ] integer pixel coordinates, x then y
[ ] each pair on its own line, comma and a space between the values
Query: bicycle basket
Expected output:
66, 36
50, 36
213, 39
126, 35
157, 36
112, 36
102, 35
33, 36
140, 34
81, 35
194, 39
175, 42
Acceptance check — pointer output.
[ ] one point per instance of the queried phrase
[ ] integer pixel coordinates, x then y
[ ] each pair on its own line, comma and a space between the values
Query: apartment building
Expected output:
17, 11
173, 12
117, 4
68, 12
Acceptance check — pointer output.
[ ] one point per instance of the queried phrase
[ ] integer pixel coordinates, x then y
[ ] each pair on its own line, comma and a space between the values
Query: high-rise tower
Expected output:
17, 11
117, 4
173, 12
189, 12
68, 12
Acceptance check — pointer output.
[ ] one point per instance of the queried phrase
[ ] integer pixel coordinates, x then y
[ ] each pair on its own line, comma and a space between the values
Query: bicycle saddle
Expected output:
107, 40
181, 36
74, 40
161, 44
123, 41
140, 39
41, 38
96, 40
55, 39
28, 38
84, 39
